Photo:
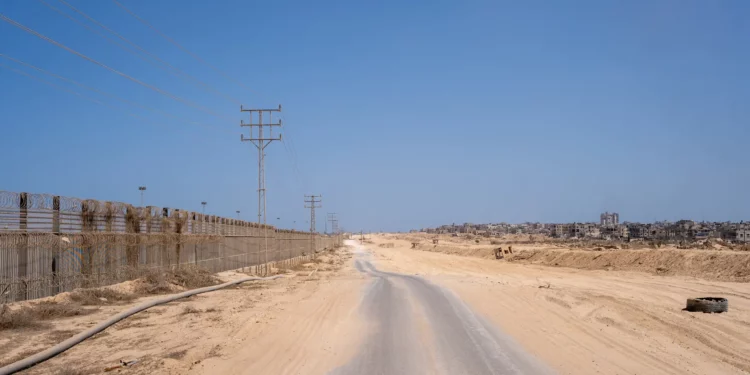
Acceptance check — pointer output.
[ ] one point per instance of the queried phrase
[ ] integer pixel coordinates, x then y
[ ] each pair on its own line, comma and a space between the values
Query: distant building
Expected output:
685, 224
610, 228
608, 219
617, 231
582, 230
561, 230
593, 231
636, 230
743, 235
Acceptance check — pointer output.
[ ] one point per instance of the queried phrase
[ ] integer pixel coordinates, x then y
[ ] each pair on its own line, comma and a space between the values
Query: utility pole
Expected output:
260, 142
314, 201
329, 217
336, 231
334, 225
334, 222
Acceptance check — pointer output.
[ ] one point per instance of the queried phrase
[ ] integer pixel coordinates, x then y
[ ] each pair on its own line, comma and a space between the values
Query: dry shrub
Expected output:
192, 277
496, 242
32, 316
215, 351
155, 282
190, 310
298, 267
100, 296
50, 310
160, 282
17, 318
177, 355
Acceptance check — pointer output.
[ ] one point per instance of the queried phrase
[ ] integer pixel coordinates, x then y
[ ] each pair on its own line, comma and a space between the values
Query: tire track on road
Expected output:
462, 342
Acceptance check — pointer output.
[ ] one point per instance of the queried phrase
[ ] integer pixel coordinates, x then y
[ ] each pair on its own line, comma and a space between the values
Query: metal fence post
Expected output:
195, 245
109, 219
23, 246
56, 214
88, 224
133, 225
149, 218
56, 251
147, 250
164, 253
178, 229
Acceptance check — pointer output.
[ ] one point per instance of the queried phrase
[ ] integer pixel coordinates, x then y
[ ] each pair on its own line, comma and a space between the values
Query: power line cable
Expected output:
164, 65
178, 45
66, 90
289, 146
101, 92
48, 5
46, 82
289, 139
152, 87
192, 54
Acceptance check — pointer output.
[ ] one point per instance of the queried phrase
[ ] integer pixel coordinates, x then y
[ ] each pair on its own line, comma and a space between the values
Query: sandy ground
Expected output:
293, 325
572, 321
718, 263
593, 322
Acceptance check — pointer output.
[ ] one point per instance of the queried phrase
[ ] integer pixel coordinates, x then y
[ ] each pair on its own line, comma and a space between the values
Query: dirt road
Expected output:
393, 310
422, 328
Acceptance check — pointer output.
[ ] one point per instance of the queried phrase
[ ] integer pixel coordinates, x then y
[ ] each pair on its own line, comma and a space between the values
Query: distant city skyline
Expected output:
682, 230
592, 222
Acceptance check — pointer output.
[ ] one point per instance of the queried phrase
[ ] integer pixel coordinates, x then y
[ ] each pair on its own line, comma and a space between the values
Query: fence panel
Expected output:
51, 244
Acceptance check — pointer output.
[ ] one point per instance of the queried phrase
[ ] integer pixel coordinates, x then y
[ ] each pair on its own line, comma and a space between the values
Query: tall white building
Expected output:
608, 219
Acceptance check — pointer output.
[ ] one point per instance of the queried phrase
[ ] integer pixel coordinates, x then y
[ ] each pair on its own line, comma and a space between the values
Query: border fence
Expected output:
51, 244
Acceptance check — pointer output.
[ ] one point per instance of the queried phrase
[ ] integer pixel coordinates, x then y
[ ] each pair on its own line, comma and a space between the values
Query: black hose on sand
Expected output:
77, 339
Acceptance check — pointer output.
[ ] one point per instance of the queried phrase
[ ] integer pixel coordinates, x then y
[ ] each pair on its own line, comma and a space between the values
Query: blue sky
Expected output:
402, 114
